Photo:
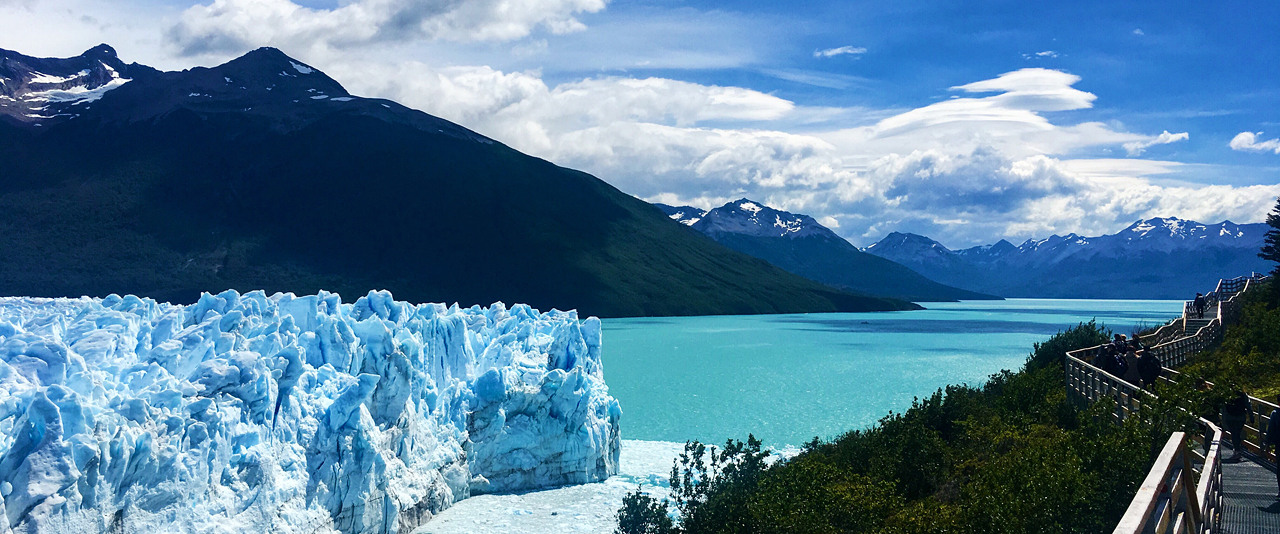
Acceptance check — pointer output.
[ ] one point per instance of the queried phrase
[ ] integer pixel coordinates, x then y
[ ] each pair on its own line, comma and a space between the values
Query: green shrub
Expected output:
642, 514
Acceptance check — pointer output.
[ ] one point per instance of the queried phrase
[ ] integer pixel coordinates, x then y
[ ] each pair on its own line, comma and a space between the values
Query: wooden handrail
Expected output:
1168, 331
1168, 496
1253, 433
1168, 500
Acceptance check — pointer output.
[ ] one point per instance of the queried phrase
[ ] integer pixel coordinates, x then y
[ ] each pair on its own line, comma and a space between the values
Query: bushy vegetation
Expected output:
1013, 455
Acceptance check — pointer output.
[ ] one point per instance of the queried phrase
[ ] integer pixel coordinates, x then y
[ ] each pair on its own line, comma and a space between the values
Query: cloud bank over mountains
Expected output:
997, 157
236, 25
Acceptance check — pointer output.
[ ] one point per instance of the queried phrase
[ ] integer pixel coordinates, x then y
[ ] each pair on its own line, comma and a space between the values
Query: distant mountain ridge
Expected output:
44, 91
1153, 258
686, 215
801, 245
277, 91
264, 173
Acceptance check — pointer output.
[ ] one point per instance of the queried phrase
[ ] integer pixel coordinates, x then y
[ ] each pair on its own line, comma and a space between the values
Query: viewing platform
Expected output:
1191, 489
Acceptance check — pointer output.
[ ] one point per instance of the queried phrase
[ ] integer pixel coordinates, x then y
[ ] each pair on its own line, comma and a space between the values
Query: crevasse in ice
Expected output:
254, 413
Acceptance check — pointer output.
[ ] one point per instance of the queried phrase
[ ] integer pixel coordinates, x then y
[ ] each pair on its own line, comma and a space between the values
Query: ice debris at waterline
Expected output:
248, 413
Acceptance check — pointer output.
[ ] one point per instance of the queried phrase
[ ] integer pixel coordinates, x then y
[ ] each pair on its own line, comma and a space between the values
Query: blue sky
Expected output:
965, 121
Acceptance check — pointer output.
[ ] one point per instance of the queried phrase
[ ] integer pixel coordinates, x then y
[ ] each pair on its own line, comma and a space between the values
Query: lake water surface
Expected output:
788, 378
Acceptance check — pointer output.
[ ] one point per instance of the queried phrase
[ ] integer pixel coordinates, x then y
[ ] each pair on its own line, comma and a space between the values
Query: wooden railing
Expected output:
1175, 497
1168, 332
1254, 428
1169, 501
1090, 383
1229, 307
1237, 284
1173, 350
1225, 292
1176, 352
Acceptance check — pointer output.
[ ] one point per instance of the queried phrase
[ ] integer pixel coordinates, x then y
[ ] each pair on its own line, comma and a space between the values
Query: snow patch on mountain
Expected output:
40, 77
1159, 234
686, 215
752, 218
255, 413
1132, 263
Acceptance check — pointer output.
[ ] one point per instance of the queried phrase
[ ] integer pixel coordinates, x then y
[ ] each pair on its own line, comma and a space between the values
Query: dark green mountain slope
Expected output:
154, 191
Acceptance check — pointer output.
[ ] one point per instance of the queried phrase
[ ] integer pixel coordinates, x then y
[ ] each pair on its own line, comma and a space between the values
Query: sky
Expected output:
967, 122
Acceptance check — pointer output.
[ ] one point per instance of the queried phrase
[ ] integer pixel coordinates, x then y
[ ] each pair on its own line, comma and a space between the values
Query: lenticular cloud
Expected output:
255, 413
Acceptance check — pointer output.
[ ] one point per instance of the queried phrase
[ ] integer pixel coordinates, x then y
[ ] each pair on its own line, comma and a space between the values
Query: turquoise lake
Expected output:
788, 378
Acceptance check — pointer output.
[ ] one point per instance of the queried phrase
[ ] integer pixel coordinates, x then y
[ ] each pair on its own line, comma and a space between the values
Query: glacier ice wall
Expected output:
254, 413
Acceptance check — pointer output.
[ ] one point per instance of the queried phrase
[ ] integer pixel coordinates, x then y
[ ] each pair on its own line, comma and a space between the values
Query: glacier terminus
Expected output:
257, 413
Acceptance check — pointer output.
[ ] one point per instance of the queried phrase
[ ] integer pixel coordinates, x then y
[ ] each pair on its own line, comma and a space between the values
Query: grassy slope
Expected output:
349, 204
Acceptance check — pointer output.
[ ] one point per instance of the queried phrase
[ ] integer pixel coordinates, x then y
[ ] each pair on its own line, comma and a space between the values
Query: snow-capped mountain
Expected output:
44, 91
1152, 258
744, 217
686, 215
264, 172
800, 244
265, 84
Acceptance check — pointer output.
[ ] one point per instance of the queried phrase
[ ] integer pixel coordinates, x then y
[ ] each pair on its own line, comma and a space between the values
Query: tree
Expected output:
642, 514
1271, 250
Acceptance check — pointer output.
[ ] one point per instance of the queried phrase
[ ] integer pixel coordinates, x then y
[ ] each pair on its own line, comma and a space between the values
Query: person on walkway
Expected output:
1234, 413
1115, 363
1199, 305
1132, 372
1107, 359
1149, 369
1272, 439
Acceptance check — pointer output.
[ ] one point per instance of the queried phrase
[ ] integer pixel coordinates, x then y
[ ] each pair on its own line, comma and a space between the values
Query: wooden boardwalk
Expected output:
1191, 489
1249, 504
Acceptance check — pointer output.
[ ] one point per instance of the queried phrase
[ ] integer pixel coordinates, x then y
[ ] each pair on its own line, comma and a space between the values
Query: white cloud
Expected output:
983, 194
1045, 54
1009, 122
236, 25
1135, 148
843, 50
1033, 90
1138, 31
961, 170
1248, 141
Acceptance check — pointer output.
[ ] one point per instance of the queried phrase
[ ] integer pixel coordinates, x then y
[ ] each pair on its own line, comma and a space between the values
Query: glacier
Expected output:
255, 413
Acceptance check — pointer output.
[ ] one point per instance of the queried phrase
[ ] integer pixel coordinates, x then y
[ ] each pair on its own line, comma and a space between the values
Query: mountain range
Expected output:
801, 245
1157, 258
264, 173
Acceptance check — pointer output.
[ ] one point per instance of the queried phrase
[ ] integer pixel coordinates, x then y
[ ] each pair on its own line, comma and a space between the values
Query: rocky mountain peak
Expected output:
264, 85
43, 91
744, 216
686, 215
